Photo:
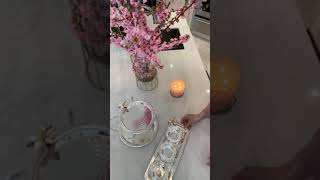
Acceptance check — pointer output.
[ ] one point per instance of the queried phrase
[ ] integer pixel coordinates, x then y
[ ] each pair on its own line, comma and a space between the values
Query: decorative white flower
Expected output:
147, 37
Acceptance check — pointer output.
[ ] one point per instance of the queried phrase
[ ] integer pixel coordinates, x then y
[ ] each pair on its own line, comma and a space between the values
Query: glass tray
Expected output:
166, 158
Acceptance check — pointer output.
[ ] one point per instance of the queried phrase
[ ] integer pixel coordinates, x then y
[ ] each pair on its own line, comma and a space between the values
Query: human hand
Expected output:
189, 119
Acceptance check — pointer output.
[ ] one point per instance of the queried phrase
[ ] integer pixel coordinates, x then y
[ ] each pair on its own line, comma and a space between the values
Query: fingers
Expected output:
184, 120
188, 120
187, 123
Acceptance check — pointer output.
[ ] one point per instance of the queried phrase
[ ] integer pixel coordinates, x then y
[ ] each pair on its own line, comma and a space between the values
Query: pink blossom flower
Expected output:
87, 22
140, 41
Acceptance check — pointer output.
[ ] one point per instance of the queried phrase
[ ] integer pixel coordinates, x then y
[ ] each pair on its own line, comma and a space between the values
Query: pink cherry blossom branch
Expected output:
141, 41
176, 18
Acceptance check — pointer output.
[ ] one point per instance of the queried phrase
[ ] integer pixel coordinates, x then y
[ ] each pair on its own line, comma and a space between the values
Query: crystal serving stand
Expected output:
166, 158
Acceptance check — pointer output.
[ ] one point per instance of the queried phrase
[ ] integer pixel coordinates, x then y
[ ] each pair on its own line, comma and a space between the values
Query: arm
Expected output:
190, 119
205, 113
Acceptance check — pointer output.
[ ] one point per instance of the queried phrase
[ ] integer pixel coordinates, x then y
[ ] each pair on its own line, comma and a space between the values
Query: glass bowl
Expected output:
138, 125
167, 152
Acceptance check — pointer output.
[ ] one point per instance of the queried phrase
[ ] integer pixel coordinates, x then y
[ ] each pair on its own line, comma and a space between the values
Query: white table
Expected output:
129, 163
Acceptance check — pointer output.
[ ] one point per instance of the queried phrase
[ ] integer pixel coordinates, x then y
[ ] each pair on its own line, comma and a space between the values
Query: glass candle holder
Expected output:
177, 88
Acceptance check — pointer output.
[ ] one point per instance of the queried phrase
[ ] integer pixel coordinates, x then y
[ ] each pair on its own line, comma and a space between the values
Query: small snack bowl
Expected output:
174, 134
167, 152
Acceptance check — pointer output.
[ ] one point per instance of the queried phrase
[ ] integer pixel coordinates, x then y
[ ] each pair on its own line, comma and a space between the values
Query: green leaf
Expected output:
115, 29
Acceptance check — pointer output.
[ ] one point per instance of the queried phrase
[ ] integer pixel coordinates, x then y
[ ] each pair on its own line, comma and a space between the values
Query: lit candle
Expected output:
177, 88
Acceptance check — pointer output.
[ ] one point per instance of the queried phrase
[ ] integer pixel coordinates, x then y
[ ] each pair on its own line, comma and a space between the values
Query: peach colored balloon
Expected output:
224, 83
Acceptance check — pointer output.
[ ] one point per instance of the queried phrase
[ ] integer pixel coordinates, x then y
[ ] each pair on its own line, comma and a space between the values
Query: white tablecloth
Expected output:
129, 163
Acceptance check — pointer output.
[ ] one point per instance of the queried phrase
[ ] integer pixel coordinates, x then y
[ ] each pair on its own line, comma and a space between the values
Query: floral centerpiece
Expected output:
130, 31
88, 24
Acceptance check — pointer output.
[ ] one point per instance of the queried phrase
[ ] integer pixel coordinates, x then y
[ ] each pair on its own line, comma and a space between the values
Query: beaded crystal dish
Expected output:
166, 158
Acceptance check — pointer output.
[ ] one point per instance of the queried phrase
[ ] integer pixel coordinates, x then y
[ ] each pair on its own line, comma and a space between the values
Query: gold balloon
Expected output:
225, 81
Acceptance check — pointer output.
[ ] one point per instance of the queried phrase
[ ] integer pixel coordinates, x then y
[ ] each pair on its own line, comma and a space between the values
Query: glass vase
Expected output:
96, 67
147, 79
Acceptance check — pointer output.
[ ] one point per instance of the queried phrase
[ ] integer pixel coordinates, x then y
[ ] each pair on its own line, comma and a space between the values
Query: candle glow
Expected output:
177, 88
